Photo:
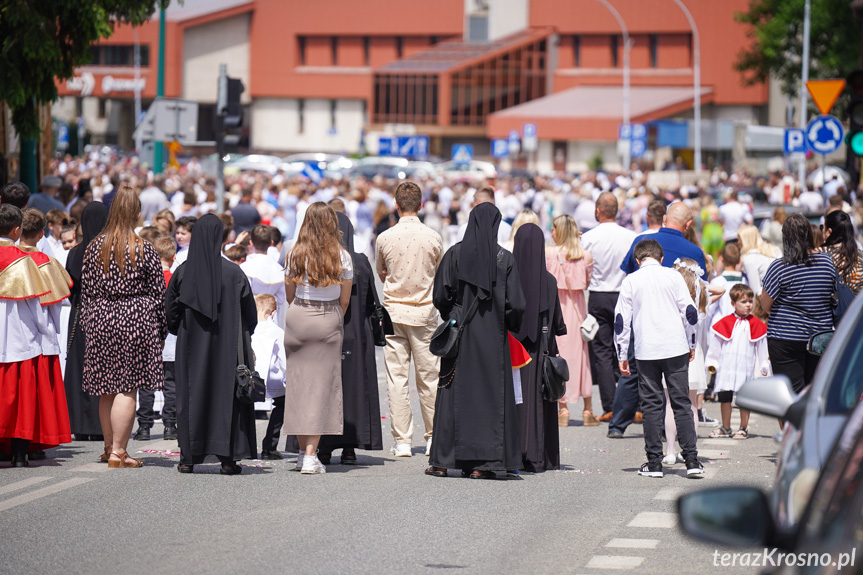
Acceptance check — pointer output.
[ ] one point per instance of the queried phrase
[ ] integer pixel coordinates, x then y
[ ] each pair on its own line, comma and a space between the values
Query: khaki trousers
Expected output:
407, 341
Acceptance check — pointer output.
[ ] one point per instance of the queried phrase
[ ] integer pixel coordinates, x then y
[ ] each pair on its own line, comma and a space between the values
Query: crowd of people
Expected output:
118, 283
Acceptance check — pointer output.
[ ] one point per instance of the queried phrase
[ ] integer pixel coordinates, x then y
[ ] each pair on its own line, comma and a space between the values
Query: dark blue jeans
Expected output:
626, 396
147, 400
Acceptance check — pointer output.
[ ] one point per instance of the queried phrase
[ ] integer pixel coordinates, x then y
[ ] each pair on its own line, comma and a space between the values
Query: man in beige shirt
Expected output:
407, 258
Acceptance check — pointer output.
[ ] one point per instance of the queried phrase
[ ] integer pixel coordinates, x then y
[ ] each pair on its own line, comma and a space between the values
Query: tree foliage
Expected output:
45, 40
776, 28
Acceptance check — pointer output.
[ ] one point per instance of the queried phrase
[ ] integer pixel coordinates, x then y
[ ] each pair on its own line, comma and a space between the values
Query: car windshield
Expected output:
846, 384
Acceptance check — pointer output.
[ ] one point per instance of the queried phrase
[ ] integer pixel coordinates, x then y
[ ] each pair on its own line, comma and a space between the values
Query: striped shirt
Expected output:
801, 297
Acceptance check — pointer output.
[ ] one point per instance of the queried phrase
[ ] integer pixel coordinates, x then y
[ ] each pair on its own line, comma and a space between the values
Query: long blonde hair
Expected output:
523, 217
566, 236
697, 291
750, 239
317, 254
119, 232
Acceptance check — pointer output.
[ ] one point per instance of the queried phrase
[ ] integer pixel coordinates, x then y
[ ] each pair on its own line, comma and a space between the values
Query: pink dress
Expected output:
572, 277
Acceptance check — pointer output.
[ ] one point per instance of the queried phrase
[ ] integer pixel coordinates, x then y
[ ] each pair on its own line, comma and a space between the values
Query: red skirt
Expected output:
33, 403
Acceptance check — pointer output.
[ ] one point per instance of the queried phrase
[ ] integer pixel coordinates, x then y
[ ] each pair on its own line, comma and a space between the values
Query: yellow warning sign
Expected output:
825, 92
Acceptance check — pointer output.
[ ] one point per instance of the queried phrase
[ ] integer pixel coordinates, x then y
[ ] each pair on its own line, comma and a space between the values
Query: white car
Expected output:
472, 171
256, 163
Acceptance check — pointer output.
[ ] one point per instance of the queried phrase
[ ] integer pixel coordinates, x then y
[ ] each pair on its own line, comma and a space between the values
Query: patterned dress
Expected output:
123, 319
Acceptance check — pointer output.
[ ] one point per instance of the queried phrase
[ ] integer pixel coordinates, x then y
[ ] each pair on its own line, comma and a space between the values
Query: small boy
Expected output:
69, 237
150, 234
738, 345
268, 345
167, 250
183, 235
236, 253
731, 265
56, 220
655, 305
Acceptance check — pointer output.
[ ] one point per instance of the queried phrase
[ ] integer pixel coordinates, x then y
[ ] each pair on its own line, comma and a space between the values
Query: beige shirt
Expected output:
409, 253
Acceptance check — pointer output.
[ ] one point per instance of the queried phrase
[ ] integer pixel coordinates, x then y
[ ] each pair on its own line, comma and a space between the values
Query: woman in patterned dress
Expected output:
123, 320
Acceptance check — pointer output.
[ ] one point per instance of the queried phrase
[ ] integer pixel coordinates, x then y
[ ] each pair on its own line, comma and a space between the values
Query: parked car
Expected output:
331, 165
815, 418
472, 172
828, 538
386, 166
255, 163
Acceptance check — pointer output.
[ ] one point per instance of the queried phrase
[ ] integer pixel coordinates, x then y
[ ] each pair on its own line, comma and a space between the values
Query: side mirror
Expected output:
731, 516
767, 395
818, 343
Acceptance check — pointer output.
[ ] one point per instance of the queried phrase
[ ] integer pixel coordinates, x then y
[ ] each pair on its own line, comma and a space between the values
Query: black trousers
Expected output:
603, 360
676, 372
147, 398
274, 427
790, 358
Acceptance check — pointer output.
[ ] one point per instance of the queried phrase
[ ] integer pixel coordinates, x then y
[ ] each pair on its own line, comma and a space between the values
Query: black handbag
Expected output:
444, 341
250, 387
382, 325
555, 371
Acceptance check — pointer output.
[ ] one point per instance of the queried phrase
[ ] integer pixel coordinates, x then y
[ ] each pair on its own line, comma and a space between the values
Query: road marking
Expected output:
713, 453
40, 493
634, 543
654, 519
95, 467
718, 441
669, 493
21, 484
161, 445
614, 562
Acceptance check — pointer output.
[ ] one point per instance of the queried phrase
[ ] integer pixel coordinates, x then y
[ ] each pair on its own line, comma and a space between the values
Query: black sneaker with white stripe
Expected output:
694, 467
651, 469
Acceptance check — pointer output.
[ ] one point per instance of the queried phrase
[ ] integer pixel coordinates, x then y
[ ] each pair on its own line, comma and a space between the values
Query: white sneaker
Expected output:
300, 457
669, 459
401, 450
428, 447
312, 466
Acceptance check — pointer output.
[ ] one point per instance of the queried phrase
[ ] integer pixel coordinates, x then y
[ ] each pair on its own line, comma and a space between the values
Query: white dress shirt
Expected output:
21, 334
268, 345
267, 276
655, 303
608, 243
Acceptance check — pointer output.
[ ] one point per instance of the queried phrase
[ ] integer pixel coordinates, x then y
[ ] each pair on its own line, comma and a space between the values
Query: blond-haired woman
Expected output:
572, 266
756, 255
318, 286
523, 217
123, 319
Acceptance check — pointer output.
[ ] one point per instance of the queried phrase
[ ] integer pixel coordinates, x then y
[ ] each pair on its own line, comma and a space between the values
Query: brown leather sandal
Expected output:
106, 456
125, 461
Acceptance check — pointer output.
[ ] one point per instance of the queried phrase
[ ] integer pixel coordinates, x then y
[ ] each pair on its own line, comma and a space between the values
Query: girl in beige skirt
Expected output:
318, 286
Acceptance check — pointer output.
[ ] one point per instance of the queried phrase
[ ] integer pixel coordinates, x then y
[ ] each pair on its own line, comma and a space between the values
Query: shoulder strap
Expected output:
470, 311
240, 359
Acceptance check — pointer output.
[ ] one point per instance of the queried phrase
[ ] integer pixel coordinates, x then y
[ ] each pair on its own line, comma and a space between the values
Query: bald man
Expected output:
678, 218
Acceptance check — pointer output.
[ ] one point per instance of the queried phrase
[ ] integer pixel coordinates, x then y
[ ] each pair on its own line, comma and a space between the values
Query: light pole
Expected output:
696, 82
627, 44
804, 77
160, 88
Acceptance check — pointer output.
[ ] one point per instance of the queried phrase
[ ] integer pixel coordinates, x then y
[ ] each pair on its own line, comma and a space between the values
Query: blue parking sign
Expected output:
499, 148
794, 141
387, 146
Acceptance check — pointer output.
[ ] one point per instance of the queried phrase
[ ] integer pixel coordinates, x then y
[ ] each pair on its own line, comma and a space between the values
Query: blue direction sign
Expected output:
529, 140
624, 132
794, 141
499, 148
62, 136
514, 142
637, 148
387, 146
413, 146
824, 134
462, 153
639, 132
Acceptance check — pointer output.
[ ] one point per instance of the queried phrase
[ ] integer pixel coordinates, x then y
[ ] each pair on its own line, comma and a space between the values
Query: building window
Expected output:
400, 47
367, 50
118, 55
333, 114
614, 50
301, 48
301, 116
79, 107
654, 46
102, 107
576, 51
334, 42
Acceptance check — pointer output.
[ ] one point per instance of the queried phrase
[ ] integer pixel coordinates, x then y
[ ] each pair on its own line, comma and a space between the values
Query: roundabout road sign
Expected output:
824, 134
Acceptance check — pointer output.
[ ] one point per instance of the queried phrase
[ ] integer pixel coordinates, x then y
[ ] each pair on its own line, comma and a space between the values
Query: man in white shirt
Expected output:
153, 199
264, 273
608, 243
811, 201
656, 308
482, 196
733, 214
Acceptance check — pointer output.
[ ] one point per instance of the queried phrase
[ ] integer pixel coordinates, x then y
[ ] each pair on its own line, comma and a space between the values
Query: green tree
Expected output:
45, 40
776, 28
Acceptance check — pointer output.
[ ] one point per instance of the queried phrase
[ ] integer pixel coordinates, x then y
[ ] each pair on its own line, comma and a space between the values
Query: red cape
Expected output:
724, 327
518, 355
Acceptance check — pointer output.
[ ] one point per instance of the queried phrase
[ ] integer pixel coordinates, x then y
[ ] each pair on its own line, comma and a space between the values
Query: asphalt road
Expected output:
71, 515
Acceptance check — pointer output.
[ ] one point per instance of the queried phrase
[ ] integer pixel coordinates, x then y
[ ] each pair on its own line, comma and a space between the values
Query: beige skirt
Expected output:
313, 348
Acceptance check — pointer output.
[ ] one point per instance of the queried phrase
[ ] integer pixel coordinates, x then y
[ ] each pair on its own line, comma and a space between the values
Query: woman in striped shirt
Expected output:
797, 293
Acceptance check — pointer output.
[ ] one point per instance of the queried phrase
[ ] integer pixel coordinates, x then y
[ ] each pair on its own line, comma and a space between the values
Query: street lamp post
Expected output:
804, 77
696, 82
627, 44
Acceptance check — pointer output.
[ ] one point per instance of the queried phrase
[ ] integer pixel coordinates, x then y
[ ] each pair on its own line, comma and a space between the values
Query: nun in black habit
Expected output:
83, 407
207, 303
362, 428
540, 441
475, 421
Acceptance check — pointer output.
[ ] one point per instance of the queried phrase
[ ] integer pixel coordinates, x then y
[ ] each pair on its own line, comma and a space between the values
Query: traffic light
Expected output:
854, 139
229, 110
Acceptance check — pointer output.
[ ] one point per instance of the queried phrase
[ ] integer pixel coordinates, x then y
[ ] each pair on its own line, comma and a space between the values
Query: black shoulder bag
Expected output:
555, 371
444, 342
250, 386
382, 325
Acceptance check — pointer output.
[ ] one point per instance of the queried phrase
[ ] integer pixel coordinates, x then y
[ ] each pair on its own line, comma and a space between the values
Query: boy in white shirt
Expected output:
268, 345
655, 303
